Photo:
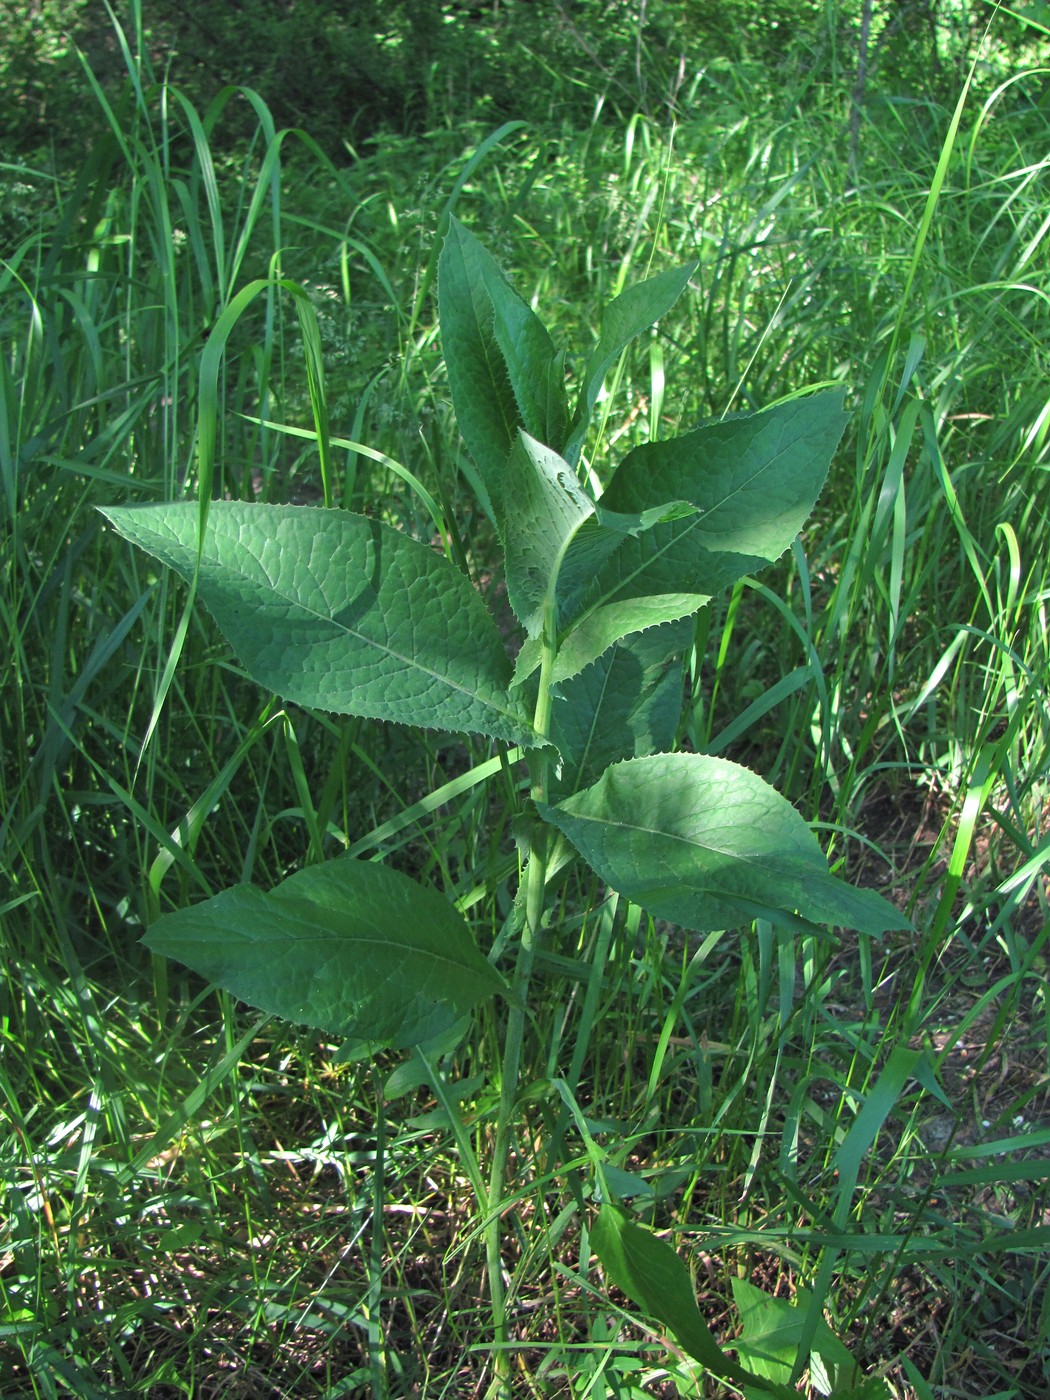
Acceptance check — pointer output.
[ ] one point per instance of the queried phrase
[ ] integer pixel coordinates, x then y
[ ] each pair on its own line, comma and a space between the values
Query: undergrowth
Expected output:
196, 1205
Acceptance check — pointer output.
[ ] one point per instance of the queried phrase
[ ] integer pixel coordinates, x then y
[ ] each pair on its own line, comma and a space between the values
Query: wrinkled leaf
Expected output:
625, 704
556, 539
502, 368
707, 844
599, 630
536, 370
350, 947
340, 612
595, 541
482, 394
544, 507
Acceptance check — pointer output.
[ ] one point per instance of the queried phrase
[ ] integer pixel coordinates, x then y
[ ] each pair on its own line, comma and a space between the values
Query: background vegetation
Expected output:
191, 1209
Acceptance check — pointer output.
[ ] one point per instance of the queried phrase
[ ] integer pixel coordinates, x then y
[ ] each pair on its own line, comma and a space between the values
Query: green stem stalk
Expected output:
535, 894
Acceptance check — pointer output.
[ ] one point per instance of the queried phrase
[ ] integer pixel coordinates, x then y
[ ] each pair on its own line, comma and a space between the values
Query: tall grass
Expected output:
192, 1201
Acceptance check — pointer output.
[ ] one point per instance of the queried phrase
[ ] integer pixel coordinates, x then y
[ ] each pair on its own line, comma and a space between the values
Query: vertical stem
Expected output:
595, 980
376, 1341
535, 893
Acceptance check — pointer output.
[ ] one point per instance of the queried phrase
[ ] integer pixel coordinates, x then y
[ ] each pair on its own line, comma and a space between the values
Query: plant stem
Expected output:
535, 893
377, 1363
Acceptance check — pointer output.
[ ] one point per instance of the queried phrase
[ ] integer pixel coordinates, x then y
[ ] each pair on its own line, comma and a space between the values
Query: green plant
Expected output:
342, 612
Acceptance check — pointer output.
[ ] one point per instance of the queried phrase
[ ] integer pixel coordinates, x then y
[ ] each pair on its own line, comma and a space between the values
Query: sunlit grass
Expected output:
176, 1215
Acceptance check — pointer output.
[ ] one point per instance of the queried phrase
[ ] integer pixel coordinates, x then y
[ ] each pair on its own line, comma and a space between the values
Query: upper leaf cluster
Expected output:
339, 611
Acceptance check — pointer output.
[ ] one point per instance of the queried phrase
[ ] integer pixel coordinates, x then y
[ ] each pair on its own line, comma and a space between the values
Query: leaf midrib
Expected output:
408, 662
268, 937
703, 515
759, 858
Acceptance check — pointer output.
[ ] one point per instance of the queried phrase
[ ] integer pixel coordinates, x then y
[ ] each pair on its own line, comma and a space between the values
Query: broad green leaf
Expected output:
625, 317
707, 844
596, 632
350, 947
340, 612
544, 506
871, 1388
753, 480
482, 393
771, 1330
625, 704
599, 630
649, 1271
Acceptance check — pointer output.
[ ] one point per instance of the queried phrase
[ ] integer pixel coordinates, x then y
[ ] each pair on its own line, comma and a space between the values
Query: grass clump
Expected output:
192, 1201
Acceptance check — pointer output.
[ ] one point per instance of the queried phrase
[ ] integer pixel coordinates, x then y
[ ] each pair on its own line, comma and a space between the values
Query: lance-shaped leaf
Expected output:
503, 370
649, 1271
536, 370
544, 505
350, 947
625, 317
753, 480
482, 395
336, 611
626, 704
707, 844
